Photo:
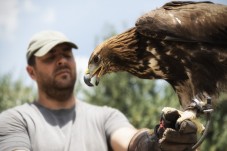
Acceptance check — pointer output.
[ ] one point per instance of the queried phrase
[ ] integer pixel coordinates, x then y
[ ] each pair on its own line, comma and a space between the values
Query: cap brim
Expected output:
45, 49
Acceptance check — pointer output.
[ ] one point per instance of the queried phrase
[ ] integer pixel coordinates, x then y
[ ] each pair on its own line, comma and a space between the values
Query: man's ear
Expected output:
31, 72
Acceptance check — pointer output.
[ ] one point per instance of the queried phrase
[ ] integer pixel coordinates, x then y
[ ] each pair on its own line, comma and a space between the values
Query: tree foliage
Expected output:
14, 92
140, 100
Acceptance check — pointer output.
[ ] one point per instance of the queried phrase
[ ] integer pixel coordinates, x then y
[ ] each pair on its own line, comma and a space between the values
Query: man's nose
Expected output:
61, 60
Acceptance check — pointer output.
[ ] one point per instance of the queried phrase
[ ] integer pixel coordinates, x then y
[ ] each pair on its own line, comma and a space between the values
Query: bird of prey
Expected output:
182, 42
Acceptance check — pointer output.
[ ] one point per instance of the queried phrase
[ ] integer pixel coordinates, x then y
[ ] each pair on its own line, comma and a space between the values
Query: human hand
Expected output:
175, 136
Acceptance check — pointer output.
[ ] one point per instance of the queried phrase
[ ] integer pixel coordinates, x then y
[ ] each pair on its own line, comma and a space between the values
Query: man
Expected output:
57, 121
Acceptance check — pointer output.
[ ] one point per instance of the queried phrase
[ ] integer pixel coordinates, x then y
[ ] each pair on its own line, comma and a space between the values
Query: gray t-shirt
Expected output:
84, 127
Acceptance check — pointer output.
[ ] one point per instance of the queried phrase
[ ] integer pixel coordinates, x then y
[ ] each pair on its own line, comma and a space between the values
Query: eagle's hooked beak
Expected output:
87, 79
88, 76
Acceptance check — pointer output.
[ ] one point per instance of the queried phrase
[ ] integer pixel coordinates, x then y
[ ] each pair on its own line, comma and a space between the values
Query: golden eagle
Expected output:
183, 42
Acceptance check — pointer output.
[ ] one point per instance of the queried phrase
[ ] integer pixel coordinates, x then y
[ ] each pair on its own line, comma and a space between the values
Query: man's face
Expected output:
56, 71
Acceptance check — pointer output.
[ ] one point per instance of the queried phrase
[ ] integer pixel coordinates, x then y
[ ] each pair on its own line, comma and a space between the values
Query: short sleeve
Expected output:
114, 120
13, 131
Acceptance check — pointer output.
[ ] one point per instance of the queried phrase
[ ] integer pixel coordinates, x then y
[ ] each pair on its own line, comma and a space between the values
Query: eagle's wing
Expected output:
186, 21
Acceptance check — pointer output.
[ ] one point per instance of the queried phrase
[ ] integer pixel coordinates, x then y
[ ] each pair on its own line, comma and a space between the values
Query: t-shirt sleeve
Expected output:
114, 120
13, 132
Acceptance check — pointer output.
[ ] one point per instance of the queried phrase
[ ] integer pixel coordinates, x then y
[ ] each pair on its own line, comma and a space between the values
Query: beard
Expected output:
60, 85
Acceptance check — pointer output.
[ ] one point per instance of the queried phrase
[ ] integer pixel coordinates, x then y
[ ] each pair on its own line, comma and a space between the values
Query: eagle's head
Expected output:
112, 55
99, 63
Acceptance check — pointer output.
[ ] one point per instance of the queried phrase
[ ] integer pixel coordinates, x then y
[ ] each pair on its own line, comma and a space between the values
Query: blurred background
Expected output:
87, 23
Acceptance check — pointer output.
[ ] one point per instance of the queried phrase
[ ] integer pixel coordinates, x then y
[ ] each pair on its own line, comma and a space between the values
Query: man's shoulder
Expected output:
18, 111
21, 108
14, 117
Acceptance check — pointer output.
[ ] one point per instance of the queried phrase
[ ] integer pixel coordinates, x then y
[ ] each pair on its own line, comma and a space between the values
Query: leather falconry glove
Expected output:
175, 136
167, 136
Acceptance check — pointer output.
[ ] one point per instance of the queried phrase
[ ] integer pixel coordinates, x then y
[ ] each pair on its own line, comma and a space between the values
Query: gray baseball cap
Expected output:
42, 42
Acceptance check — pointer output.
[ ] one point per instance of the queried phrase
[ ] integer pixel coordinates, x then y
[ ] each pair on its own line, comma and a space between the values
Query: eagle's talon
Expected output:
191, 115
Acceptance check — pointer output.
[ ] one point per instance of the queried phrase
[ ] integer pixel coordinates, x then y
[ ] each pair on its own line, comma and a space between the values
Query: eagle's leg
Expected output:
195, 108
191, 115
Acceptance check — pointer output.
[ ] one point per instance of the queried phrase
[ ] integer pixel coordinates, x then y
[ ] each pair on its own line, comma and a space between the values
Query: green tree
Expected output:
14, 92
140, 100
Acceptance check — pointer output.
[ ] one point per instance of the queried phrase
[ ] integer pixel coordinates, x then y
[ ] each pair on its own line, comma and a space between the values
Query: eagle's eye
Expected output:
96, 59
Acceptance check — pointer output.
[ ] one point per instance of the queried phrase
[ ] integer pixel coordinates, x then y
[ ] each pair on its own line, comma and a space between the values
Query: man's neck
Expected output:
55, 104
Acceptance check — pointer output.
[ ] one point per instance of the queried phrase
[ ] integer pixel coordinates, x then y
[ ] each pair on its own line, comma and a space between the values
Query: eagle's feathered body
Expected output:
184, 43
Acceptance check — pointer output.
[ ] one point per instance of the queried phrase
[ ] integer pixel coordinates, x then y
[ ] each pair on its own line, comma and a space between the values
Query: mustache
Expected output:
61, 68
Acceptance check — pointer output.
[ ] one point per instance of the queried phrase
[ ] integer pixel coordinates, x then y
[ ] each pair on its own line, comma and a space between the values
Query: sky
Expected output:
82, 21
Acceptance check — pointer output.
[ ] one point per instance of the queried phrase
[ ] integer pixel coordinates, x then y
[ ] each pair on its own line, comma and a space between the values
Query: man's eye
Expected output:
67, 55
50, 58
